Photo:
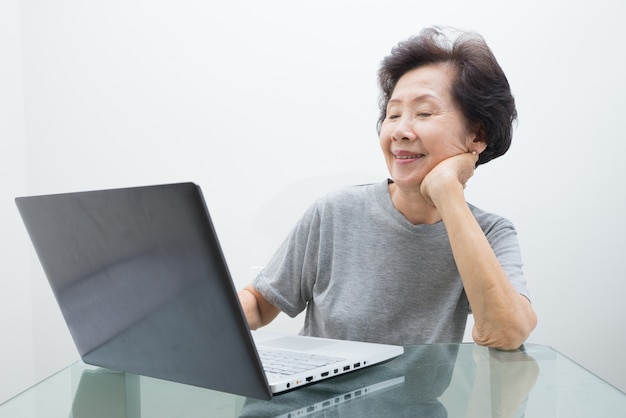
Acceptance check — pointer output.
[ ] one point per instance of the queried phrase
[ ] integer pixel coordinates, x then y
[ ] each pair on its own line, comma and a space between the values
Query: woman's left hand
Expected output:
448, 176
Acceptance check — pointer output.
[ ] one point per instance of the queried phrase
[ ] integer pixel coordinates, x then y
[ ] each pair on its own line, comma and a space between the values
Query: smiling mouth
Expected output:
407, 157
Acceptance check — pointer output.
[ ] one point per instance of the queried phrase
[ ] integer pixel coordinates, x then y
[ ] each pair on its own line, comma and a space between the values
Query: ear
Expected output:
477, 140
478, 146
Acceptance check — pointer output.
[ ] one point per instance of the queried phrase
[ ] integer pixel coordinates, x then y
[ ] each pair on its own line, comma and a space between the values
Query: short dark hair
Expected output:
480, 87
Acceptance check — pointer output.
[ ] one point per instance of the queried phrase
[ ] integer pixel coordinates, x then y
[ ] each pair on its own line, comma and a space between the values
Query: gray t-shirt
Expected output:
363, 272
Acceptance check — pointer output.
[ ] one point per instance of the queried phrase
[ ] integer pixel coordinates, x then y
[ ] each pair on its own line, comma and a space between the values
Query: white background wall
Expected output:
269, 104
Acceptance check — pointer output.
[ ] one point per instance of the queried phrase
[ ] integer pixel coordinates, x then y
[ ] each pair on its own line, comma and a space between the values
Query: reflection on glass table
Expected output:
440, 380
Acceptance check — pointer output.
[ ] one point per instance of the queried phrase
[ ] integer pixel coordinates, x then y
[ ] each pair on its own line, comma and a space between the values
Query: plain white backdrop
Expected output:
269, 104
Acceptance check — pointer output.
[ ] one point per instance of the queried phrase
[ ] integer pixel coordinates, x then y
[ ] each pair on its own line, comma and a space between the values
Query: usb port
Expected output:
346, 368
357, 365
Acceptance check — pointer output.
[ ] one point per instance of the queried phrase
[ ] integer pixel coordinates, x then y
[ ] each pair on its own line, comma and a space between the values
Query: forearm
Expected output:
502, 317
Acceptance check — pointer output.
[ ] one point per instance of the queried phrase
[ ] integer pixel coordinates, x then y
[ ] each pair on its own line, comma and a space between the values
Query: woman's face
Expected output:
423, 125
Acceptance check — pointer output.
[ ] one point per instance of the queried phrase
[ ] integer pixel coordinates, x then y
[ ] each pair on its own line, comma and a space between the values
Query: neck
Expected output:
413, 206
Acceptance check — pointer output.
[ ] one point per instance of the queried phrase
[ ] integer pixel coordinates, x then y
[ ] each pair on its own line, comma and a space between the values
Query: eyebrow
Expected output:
420, 98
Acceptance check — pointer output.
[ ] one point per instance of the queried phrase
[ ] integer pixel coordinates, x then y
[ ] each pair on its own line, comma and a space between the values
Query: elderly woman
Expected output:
406, 260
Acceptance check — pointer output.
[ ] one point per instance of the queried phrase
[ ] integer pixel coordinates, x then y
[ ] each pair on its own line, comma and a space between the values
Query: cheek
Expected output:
384, 140
446, 148
455, 141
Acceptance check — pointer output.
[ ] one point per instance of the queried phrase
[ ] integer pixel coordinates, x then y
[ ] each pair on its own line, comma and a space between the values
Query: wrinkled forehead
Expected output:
432, 81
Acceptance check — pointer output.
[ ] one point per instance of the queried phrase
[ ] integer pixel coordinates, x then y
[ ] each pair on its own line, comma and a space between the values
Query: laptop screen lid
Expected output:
143, 286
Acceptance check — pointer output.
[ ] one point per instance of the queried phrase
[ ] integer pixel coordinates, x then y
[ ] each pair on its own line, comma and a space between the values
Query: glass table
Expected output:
440, 380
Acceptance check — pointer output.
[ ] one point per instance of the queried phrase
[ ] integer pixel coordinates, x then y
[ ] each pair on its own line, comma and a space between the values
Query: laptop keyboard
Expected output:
288, 362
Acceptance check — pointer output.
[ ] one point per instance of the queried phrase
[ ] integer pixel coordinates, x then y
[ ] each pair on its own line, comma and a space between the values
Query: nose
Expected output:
403, 131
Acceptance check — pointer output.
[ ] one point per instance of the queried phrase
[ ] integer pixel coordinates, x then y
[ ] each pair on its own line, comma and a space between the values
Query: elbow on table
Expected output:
500, 344
509, 337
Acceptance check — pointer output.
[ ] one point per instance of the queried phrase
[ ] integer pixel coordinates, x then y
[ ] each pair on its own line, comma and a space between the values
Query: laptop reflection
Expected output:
104, 393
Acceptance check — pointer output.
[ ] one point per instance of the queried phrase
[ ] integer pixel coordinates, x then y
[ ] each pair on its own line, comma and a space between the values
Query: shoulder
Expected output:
492, 224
